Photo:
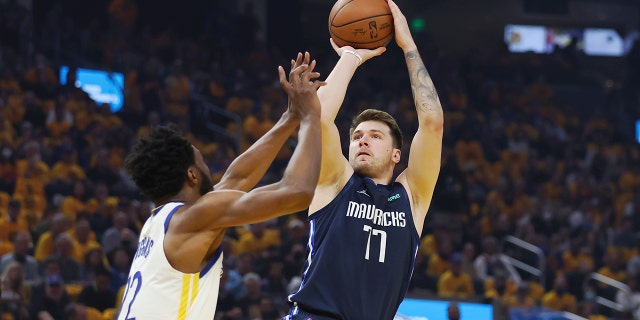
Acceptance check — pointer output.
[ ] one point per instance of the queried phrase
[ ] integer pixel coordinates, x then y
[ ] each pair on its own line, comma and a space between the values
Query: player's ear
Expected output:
396, 156
192, 175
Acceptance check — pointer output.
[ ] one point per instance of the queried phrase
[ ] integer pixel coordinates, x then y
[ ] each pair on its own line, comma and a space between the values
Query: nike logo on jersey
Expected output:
364, 191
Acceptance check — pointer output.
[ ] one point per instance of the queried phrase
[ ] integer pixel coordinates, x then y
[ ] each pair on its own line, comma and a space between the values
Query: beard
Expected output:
367, 169
207, 184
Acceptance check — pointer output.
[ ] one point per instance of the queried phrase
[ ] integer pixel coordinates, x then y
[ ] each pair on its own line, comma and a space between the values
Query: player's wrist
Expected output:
353, 53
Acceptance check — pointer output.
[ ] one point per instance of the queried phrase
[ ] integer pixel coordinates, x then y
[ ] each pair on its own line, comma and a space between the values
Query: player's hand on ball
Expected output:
365, 54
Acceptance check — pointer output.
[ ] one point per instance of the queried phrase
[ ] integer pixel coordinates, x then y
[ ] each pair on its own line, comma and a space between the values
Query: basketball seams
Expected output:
334, 35
338, 11
359, 20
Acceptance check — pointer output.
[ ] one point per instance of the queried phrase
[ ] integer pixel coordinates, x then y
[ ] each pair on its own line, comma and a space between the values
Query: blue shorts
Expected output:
296, 313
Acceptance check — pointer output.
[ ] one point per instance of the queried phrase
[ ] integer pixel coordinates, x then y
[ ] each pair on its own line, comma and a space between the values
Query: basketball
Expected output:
362, 24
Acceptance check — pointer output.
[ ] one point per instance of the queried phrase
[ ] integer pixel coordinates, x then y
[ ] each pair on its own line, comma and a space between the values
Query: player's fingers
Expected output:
299, 59
312, 66
296, 74
307, 57
319, 83
284, 83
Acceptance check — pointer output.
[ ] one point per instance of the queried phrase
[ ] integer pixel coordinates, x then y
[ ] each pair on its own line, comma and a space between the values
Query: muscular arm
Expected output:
426, 148
334, 164
248, 168
335, 169
294, 191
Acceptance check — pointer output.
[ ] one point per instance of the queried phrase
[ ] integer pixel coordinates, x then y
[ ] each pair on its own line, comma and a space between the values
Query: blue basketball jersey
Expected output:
362, 248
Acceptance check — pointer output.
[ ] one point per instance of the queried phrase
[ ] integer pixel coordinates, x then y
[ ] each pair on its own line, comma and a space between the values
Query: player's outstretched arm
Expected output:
426, 148
249, 167
335, 168
294, 191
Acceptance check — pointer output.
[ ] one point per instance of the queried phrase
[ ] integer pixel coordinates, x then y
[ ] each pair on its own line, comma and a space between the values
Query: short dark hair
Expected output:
158, 163
379, 115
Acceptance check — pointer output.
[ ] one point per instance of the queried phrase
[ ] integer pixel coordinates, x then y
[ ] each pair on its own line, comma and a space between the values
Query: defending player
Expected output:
176, 271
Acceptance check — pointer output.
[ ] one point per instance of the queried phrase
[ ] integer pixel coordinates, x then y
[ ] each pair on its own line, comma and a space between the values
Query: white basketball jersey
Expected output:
155, 290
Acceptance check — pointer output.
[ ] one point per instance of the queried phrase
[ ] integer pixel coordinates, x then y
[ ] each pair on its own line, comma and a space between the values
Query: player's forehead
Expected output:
372, 125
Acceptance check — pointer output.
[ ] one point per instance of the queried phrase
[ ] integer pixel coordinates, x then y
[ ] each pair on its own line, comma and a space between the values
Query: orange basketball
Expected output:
362, 24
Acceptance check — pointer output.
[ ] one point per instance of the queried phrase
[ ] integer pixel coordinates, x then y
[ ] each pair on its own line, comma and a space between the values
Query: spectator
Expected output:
70, 268
630, 301
490, 262
559, 299
75, 311
94, 262
256, 239
521, 298
453, 311
119, 235
120, 261
22, 244
454, 283
15, 293
252, 292
46, 244
98, 294
13, 221
83, 239
50, 300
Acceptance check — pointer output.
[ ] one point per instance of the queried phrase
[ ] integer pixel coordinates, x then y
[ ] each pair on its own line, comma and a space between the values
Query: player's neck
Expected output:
184, 196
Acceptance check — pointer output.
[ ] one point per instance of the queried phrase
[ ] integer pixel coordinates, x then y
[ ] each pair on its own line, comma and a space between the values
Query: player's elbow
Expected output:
300, 197
433, 122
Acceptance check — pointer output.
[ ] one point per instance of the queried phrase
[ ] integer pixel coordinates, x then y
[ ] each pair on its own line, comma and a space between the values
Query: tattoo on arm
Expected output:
424, 92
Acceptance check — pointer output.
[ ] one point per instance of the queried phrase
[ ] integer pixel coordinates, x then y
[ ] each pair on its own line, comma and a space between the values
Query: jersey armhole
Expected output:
169, 216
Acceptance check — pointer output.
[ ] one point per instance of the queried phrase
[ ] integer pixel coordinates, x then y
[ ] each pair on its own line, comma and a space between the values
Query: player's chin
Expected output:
362, 168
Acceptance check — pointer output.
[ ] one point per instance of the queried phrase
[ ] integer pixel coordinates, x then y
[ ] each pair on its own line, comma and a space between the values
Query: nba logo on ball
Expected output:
362, 24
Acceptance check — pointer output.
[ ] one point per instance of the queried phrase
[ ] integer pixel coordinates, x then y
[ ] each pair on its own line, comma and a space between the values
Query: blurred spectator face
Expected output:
489, 245
469, 251
15, 273
560, 285
121, 259
275, 270
58, 224
52, 268
13, 210
244, 264
120, 220
94, 258
78, 189
252, 287
54, 287
21, 244
81, 313
266, 306
102, 281
64, 245
83, 230
453, 311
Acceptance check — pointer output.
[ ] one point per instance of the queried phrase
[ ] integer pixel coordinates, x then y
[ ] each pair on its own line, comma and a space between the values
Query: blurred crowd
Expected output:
524, 158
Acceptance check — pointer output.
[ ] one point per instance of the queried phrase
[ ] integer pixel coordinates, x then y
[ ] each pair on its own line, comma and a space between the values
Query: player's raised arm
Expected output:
249, 167
426, 148
294, 191
335, 169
